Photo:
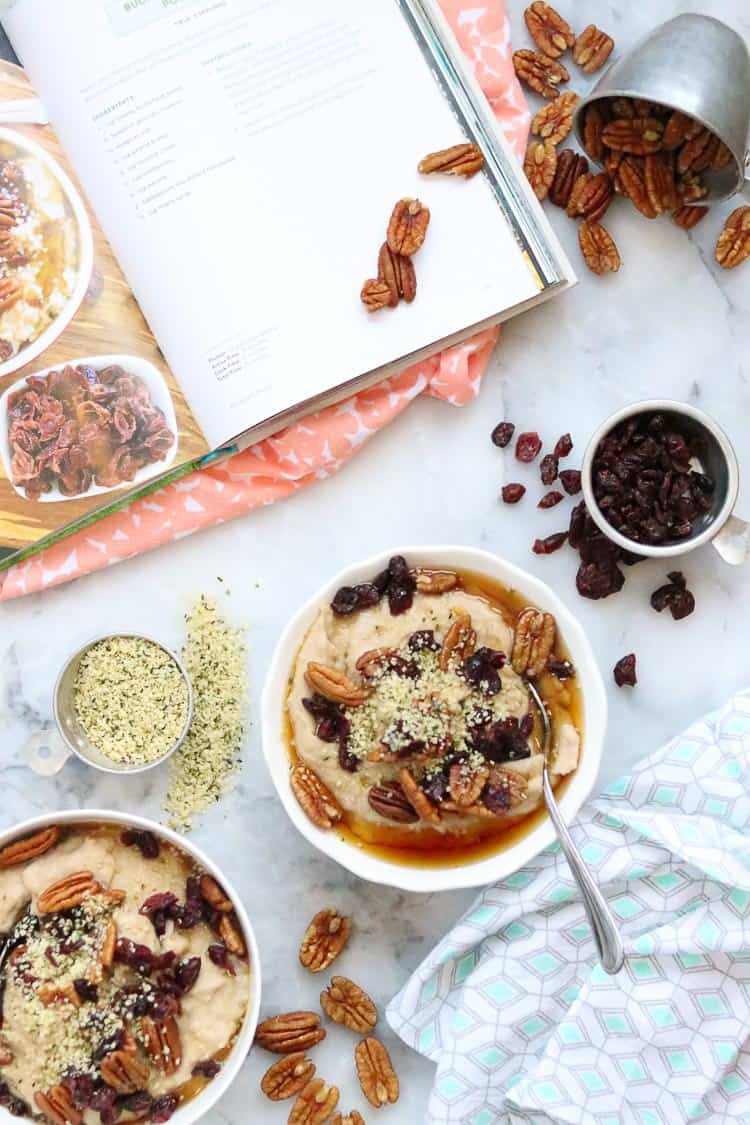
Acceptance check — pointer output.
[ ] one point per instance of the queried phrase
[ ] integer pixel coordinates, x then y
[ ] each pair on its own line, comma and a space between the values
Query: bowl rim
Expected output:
479, 872
193, 1110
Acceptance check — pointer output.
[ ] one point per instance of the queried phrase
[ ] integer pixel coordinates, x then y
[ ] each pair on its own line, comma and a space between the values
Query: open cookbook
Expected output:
181, 259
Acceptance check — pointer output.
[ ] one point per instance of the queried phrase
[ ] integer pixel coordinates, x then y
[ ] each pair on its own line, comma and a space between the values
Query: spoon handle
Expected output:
603, 926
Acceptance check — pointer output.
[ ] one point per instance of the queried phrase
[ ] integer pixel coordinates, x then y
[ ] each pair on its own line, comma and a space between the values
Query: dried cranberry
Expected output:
561, 669
551, 544
481, 670
138, 1103
345, 600
186, 973
424, 641
219, 954
163, 1108
570, 479
550, 499
209, 1068
528, 446
331, 722
595, 581
347, 760
102, 1099
496, 799
193, 887
164, 1004
502, 741
189, 915
563, 446
400, 598
145, 841
162, 961
16, 1107
162, 900
675, 596
81, 1087
135, 956
548, 468
624, 671
512, 493
526, 724
579, 519
502, 434
436, 786
86, 991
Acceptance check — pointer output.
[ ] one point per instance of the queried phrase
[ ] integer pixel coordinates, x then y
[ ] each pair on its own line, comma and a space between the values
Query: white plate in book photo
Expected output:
160, 397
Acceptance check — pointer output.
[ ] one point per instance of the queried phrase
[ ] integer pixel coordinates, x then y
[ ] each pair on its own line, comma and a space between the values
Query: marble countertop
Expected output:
669, 324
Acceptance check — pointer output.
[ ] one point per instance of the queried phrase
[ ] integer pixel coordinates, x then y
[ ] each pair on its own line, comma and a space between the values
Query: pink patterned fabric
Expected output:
321, 444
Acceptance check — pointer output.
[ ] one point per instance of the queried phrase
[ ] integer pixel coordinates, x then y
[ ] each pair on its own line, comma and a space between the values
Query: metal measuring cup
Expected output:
700, 66
47, 751
728, 534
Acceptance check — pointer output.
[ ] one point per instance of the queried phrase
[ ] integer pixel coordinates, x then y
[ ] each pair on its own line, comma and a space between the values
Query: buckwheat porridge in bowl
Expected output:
126, 977
409, 725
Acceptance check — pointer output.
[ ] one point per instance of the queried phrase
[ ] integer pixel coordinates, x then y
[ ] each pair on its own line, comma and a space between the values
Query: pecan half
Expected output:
551, 33
534, 639
124, 1072
287, 1077
698, 153
416, 797
612, 162
214, 894
315, 798
591, 196
162, 1043
659, 180
10, 291
315, 1103
505, 790
389, 801
49, 993
637, 135
466, 785
67, 892
458, 160
57, 1106
722, 157
459, 642
324, 939
398, 272
733, 246
375, 294
435, 581
353, 1118
29, 848
107, 950
592, 48
295, 1031
346, 1003
690, 187
688, 217
593, 129
375, 1072
335, 685
231, 935
569, 167
540, 73
631, 175
554, 121
678, 129
370, 662
540, 165
408, 226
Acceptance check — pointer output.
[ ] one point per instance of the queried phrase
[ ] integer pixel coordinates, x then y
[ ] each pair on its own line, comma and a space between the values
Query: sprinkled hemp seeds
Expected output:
131, 699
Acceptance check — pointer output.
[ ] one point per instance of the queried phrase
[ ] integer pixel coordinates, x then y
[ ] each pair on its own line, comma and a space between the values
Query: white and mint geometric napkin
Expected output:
523, 1024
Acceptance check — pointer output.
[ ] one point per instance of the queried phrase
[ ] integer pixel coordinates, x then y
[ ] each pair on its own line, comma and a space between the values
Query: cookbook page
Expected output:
244, 157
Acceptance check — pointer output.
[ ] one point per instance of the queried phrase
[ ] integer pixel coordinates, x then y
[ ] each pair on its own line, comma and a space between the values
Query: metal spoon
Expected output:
603, 926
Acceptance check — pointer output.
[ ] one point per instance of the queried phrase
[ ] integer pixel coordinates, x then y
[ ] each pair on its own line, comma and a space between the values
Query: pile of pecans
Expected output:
293, 1034
650, 154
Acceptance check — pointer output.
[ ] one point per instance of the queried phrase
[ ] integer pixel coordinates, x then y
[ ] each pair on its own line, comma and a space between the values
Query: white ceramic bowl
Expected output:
481, 871
85, 253
195, 1109
160, 397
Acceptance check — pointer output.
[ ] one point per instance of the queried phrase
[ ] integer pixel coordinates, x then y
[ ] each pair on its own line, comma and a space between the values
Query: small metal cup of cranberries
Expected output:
660, 478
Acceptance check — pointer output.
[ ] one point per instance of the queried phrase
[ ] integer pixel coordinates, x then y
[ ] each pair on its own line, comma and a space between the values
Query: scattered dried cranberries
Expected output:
674, 596
528, 446
512, 493
502, 434
624, 671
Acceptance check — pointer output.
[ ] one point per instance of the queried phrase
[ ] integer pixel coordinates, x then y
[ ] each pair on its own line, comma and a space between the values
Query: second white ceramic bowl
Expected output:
470, 874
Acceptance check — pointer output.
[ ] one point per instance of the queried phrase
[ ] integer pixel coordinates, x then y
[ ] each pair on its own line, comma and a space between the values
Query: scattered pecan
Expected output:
688, 217
124, 1072
569, 167
29, 848
212, 893
408, 226
418, 799
733, 246
459, 642
540, 73
697, 154
592, 48
591, 196
67, 892
554, 121
231, 935
466, 785
540, 165
678, 129
353, 1118
389, 801
335, 685
50, 993
722, 157
375, 1072
637, 135
612, 162
435, 581
287, 1077
659, 180
10, 291
623, 107
370, 662
533, 642
552, 34
315, 798
458, 160
593, 129
690, 187
57, 1106
162, 1043
375, 294
632, 178
293, 1032
398, 272
346, 1003
324, 939
315, 1103
599, 250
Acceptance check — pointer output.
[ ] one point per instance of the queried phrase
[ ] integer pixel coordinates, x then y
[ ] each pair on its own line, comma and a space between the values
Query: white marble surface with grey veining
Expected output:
669, 324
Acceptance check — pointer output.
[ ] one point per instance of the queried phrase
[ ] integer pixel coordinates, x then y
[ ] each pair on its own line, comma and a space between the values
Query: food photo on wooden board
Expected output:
253, 779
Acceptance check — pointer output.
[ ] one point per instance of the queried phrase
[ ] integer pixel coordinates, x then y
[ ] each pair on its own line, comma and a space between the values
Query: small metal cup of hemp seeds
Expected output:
122, 703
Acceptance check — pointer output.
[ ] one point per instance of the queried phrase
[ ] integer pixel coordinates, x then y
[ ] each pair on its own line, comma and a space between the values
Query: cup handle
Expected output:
733, 541
45, 752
